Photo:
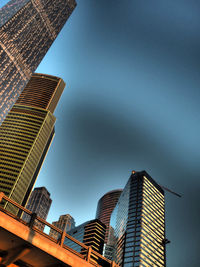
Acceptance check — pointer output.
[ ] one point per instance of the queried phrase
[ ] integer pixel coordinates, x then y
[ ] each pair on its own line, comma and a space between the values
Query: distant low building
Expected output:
39, 203
65, 223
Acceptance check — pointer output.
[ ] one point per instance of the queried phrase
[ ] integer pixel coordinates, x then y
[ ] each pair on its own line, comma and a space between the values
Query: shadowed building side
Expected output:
27, 30
38, 168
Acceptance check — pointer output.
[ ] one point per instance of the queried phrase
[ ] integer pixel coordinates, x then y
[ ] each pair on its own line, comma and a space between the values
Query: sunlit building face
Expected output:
138, 223
27, 30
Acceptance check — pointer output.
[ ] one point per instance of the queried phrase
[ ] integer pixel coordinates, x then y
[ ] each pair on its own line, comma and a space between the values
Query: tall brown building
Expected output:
26, 134
42, 91
27, 30
105, 207
39, 203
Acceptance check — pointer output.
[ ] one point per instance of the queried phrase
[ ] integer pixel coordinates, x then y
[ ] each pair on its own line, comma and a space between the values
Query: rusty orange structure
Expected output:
22, 244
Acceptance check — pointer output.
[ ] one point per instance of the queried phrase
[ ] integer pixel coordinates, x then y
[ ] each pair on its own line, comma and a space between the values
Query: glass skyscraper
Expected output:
105, 207
137, 233
27, 30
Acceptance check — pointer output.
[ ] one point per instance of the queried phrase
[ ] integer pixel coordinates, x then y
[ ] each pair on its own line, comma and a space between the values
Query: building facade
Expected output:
27, 30
65, 223
105, 206
25, 136
138, 223
92, 234
39, 203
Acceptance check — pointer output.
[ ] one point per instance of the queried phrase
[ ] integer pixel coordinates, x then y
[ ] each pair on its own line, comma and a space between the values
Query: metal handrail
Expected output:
89, 251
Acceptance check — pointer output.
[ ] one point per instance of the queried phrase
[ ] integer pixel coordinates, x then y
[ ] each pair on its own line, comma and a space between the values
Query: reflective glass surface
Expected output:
138, 224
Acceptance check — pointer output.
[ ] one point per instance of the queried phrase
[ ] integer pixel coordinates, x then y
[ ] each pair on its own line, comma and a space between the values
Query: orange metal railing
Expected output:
89, 254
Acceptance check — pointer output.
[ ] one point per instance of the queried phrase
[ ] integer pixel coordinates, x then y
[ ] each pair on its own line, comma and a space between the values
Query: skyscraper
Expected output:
27, 30
92, 234
39, 203
138, 223
25, 136
105, 207
65, 223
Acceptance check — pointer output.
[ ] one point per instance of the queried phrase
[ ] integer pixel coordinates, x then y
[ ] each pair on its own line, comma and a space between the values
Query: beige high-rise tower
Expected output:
65, 223
25, 136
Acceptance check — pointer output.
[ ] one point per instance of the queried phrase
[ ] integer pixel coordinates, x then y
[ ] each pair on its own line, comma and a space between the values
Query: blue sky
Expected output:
131, 102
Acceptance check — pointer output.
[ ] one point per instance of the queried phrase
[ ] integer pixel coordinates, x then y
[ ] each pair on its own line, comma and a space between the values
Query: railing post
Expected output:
89, 251
62, 238
1, 196
32, 219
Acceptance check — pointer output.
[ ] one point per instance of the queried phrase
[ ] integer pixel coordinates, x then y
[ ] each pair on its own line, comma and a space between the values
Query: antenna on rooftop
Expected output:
167, 189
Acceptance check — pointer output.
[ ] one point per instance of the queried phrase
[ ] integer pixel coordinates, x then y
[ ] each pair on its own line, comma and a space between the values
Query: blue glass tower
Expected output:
138, 224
